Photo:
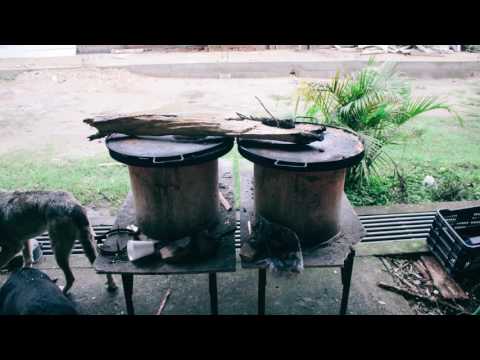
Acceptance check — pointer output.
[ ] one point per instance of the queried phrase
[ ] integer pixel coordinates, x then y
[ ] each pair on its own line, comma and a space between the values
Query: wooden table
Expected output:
340, 253
223, 261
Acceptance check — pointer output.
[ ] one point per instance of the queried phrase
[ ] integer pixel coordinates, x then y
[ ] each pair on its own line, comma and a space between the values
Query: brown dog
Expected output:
25, 215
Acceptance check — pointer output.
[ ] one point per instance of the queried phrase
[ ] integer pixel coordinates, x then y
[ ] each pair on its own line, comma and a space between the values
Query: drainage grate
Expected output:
238, 239
403, 226
100, 231
385, 227
46, 246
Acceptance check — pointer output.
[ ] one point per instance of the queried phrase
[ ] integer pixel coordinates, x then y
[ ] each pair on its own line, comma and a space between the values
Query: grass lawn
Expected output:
436, 146
90, 179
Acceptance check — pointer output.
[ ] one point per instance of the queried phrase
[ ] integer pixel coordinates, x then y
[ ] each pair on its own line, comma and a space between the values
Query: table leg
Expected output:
212, 284
346, 280
262, 284
127, 281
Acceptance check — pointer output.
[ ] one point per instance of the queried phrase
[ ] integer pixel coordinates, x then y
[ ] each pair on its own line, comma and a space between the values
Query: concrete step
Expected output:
258, 64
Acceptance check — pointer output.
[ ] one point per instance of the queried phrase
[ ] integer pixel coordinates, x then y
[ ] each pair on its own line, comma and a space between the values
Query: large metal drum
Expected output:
301, 186
174, 181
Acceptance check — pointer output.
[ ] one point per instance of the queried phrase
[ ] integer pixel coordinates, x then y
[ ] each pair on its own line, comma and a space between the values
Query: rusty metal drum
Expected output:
174, 181
301, 186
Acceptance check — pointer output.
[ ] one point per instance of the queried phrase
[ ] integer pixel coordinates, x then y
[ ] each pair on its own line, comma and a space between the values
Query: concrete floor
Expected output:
314, 292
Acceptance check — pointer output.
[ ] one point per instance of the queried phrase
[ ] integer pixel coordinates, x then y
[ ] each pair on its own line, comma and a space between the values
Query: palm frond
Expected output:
374, 102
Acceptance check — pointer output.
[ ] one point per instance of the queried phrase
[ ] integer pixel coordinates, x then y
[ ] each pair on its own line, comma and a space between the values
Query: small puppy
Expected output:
29, 291
25, 215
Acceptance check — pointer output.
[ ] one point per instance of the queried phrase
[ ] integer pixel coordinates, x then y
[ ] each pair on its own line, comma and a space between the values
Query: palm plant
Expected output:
374, 102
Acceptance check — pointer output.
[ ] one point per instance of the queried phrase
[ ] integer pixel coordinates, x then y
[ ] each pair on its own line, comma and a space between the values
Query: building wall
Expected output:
82, 49
89, 49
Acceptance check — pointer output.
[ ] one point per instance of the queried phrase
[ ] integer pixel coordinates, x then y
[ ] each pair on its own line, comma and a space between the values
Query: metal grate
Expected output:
403, 226
44, 240
238, 239
385, 227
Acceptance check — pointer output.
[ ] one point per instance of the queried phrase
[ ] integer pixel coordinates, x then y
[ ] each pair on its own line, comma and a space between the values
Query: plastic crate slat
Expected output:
451, 253
445, 237
447, 248
447, 253
448, 256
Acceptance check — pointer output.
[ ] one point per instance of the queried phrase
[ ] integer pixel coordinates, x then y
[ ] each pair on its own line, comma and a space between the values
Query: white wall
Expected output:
25, 51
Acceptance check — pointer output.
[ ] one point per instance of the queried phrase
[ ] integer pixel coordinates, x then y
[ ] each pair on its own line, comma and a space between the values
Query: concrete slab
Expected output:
315, 292
411, 208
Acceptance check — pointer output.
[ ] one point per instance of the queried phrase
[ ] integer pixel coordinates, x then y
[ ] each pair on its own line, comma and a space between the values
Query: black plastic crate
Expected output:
454, 240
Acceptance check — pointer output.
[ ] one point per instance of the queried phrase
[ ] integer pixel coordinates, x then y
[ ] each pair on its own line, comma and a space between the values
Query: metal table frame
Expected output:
346, 277
127, 282
340, 254
223, 261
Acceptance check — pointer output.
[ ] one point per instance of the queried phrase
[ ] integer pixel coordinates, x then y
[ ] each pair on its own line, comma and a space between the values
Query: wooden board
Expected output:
331, 255
223, 261
448, 288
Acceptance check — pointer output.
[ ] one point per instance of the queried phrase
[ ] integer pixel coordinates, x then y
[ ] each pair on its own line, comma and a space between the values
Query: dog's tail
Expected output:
86, 236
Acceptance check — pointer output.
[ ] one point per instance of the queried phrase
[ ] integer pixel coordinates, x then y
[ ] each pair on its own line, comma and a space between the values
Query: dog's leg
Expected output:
86, 238
62, 236
27, 253
62, 261
111, 286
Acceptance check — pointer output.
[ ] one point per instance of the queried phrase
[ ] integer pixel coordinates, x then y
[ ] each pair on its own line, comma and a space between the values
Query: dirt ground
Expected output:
44, 109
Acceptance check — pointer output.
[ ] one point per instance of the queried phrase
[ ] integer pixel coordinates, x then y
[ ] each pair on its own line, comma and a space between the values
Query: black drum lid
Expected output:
166, 151
339, 149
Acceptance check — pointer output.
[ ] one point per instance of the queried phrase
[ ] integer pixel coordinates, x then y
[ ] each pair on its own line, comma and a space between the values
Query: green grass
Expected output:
234, 157
386, 190
438, 142
428, 145
89, 179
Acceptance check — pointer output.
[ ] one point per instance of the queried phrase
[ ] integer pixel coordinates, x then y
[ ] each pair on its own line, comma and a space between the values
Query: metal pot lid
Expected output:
166, 151
339, 149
